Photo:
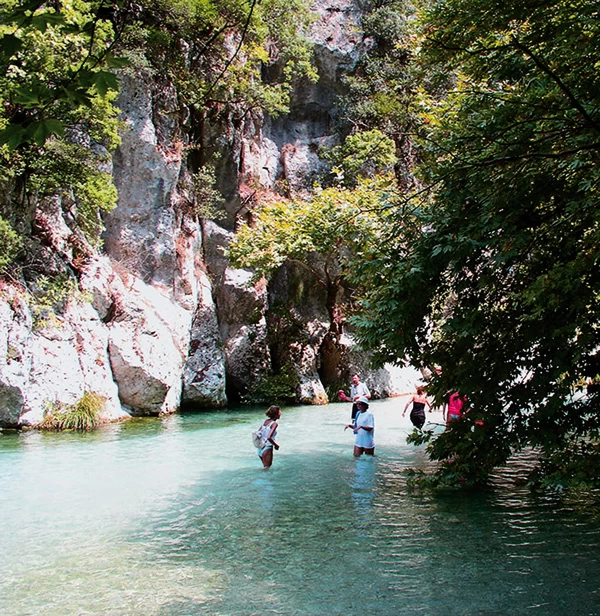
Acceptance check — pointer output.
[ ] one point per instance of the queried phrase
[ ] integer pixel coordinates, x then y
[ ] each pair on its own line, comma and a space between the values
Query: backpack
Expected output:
258, 439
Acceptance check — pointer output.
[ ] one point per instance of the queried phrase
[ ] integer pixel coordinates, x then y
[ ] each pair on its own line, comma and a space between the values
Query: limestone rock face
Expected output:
243, 328
285, 150
149, 233
51, 362
303, 356
241, 305
147, 344
310, 390
282, 154
204, 370
153, 235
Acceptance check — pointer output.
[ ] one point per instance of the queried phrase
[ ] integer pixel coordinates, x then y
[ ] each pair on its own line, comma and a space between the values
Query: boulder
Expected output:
147, 343
11, 405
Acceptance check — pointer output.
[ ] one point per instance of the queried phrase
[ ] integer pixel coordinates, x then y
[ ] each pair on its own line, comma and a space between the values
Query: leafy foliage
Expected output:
500, 282
338, 223
54, 60
57, 90
363, 154
325, 236
575, 465
215, 51
10, 243
277, 388
49, 298
381, 91
468, 451
206, 198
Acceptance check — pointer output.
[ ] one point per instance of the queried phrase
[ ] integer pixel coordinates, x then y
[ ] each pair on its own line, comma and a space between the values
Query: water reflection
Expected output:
363, 490
265, 489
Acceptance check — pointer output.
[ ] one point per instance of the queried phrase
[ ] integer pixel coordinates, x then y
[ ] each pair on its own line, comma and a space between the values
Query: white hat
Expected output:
364, 400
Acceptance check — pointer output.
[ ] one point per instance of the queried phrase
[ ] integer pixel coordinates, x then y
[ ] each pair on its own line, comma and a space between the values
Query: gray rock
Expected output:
204, 370
11, 405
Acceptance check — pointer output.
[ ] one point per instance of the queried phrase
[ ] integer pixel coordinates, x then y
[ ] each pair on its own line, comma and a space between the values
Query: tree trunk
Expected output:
331, 351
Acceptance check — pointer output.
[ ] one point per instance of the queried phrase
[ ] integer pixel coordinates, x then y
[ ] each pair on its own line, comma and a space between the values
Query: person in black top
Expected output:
417, 414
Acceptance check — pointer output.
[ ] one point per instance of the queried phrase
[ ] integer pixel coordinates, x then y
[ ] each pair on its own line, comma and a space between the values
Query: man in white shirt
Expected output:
357, 390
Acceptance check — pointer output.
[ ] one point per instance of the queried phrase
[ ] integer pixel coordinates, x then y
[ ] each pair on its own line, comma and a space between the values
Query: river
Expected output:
175, 516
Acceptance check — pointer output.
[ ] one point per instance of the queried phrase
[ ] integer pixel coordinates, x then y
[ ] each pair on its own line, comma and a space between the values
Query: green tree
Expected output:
55, 59
363, 154
57, 90
500, 285
325, 236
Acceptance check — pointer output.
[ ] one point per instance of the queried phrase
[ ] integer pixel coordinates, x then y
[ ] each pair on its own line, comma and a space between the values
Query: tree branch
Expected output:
235, 53
559, 82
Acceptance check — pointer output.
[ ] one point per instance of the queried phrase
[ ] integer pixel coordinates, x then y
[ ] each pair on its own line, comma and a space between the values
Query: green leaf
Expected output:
10, 44
116, 61
78, 96
39, 132
86, 78
28, 97
105, 81
12, 136
43, 20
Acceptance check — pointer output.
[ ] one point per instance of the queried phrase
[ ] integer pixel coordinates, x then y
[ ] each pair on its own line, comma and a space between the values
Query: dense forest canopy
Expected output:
479, 254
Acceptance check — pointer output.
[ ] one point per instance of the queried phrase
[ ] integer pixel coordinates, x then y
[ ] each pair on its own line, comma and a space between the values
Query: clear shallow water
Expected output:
175, 516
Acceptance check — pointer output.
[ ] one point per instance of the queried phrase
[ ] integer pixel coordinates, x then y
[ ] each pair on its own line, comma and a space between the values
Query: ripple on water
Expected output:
176, 517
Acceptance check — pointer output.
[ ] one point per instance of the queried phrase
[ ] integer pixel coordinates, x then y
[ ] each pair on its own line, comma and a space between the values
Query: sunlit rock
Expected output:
148, 347
52, 361
204, 370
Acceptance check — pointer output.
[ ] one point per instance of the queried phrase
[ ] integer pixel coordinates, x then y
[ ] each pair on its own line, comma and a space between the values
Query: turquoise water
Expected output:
175, 516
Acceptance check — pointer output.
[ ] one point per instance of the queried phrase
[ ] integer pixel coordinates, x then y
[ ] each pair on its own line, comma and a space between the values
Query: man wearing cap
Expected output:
364, 429
357, 389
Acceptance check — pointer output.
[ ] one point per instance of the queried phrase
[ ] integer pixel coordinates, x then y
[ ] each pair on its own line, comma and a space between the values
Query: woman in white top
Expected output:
364, 429
265, 453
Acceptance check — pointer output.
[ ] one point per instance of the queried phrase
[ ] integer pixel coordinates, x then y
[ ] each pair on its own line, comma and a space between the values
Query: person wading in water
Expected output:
265, 453
364, 428
417, 414
357, 390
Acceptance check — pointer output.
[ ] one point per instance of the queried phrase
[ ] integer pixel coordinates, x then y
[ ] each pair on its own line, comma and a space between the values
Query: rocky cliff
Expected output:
160, 321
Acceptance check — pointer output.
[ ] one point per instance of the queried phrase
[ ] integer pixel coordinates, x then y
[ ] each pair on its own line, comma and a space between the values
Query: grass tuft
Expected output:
81, 416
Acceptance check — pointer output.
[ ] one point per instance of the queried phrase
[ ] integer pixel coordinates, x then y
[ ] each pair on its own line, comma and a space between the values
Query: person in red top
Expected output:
456, 406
